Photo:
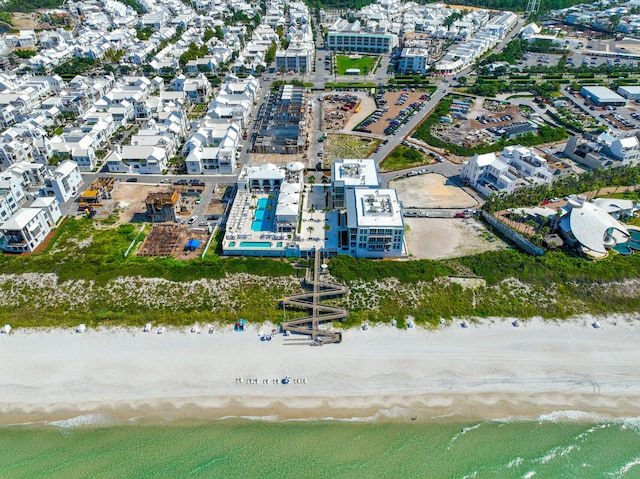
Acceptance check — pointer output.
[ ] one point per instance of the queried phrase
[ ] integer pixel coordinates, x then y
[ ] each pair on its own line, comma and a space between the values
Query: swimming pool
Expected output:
623, 249
255, 244
262, 216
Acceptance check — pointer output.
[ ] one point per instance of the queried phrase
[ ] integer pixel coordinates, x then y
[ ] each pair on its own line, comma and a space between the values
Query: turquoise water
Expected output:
255, 244
630, 246
436, 448
261, 221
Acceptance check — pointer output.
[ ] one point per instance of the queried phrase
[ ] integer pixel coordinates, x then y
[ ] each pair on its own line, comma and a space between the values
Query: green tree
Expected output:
208, 35
270, 55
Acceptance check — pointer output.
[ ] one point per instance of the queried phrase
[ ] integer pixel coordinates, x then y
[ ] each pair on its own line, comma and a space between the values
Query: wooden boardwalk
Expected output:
319, 313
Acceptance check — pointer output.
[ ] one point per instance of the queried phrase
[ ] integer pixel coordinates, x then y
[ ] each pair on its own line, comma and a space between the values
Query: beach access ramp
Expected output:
311, 300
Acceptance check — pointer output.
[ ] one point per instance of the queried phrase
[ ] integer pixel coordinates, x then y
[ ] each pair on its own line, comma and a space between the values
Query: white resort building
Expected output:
275, 213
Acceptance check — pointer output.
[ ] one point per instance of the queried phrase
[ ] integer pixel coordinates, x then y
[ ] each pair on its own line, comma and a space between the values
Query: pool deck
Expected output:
312, 231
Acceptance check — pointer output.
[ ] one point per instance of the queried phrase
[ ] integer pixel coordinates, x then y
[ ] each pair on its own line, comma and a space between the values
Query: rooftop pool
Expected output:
254, 244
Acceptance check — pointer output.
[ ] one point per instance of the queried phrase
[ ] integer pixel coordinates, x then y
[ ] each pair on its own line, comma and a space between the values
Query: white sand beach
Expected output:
490, 369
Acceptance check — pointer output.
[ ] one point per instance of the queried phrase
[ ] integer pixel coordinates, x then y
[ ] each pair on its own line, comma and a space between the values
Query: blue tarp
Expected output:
192, 244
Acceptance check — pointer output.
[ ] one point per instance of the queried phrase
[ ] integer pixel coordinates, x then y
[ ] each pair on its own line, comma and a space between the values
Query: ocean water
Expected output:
566, 445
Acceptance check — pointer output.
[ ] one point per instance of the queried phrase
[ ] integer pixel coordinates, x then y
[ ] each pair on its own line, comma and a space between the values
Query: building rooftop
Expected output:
591, 224
21, 219
603, 93
355, 172
371, 207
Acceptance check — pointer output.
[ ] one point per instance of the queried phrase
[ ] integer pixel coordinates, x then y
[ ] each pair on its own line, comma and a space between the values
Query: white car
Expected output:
193, 219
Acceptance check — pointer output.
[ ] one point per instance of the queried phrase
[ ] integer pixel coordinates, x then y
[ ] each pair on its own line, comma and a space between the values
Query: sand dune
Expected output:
488, 370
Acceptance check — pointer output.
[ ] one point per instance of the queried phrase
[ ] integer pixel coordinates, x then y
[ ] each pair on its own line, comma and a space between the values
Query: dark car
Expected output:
132, 180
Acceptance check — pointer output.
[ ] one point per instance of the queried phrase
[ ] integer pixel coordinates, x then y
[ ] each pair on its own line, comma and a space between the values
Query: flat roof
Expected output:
603, 93
368, 207
355, 172
632, 89
43, 201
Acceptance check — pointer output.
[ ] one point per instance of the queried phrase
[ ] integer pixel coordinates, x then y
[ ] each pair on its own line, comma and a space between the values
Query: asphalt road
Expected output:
318, 78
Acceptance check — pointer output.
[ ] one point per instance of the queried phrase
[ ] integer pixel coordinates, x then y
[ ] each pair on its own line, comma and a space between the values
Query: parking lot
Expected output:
393, 108
623, 118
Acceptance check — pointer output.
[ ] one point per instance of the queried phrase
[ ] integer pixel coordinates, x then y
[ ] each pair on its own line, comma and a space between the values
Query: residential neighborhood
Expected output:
228, 91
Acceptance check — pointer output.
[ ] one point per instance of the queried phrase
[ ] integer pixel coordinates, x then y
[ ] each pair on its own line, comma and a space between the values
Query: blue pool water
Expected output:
630, 246
262, 219
622, 249
255, 244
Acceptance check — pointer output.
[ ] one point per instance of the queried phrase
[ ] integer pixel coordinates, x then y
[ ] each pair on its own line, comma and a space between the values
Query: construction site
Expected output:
311, 301
178, 241
95, 197
337, 109
471, 123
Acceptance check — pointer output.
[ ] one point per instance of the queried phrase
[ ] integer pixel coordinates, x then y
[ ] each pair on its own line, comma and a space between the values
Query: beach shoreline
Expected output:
489, 370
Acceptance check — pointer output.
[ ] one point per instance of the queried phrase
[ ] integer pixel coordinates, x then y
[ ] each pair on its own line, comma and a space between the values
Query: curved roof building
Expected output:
593, 227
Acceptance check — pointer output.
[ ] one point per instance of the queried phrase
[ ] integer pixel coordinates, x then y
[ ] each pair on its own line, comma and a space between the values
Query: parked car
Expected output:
193, 219
132, 180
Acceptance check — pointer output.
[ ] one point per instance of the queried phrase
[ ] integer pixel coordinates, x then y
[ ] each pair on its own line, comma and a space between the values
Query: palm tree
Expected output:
310, 230
311, 180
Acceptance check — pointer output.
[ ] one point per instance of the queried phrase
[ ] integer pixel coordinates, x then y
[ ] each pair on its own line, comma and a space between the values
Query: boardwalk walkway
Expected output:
319, 313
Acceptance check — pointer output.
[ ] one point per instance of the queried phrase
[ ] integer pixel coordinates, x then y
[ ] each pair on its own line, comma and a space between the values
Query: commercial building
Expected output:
602, 96
275, 214
630, 92
348, 174
354, 37
414, 60
283, 122
375, 227
298, 58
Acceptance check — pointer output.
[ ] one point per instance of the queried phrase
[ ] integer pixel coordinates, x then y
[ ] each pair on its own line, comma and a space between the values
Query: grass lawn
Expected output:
344, 63
348, 146
404, 157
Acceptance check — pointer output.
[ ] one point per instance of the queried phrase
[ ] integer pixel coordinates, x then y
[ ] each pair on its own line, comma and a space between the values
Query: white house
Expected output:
64, 182
488, 175
137, 159
25, 230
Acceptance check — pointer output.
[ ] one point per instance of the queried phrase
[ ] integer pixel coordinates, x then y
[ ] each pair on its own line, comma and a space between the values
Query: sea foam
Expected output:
85, 420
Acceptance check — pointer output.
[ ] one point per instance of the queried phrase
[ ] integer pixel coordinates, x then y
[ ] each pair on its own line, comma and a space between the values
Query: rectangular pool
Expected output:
262, 215
255, 244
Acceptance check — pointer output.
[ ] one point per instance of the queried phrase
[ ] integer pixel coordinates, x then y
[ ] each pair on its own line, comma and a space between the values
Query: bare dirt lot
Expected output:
440, 238
431, 191
129, 198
